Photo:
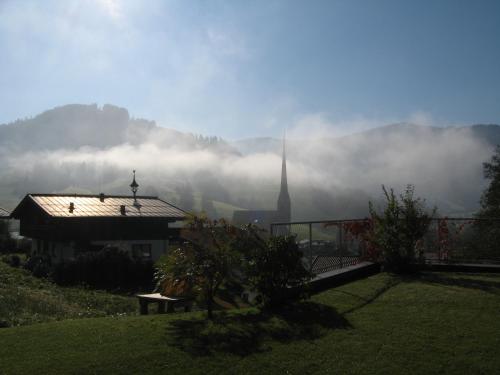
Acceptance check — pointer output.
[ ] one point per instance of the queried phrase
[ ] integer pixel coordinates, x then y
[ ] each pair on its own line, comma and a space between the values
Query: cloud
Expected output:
114, 8
228, 43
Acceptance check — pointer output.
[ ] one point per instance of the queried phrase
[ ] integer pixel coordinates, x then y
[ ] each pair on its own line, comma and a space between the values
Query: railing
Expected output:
335, 244
326, 245
461, 240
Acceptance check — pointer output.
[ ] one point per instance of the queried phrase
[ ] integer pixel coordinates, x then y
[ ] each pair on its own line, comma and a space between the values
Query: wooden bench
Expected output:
169, 302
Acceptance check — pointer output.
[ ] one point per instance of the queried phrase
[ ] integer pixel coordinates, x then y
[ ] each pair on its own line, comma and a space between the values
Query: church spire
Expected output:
284, 182
284, 204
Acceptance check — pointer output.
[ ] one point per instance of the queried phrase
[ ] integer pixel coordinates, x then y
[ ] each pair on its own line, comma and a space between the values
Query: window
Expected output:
141, 250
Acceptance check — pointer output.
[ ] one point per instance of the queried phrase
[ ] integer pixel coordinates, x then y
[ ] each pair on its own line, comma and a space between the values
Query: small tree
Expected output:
488, 229
202, 264
274, 267
399, 228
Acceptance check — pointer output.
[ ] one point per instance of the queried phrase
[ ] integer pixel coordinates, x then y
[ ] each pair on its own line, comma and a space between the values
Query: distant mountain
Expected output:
94, 149
77, 125
488, 133
258, 145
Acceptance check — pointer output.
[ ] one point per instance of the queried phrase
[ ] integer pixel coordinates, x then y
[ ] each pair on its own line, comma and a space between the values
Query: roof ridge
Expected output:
93, 196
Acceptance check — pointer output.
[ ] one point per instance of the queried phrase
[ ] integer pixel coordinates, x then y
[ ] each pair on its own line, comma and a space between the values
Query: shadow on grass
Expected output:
378, 293
244, 334
489, 286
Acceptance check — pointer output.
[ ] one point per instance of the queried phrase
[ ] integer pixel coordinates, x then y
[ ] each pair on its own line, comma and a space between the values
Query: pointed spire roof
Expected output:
284, 203
284, 182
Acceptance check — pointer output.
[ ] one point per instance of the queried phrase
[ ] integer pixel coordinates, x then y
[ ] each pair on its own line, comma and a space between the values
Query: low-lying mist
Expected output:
328, 177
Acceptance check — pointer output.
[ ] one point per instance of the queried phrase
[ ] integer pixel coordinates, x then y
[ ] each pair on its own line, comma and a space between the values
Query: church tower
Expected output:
284, 204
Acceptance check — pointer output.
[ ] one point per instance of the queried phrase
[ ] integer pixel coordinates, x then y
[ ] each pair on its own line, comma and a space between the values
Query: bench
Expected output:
169, 302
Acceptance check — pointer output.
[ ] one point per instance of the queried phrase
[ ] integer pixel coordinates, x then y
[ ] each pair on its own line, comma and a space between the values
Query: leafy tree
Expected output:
488, 231
490, 200
274, 267
399, 228
202, 264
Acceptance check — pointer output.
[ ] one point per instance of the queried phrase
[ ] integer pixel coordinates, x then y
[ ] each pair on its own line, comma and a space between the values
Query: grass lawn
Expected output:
436, 323
25, 299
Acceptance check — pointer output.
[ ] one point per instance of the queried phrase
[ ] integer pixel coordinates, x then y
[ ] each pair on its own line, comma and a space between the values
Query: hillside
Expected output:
74, 126
25, 299
86, 148
487, 133
438, 323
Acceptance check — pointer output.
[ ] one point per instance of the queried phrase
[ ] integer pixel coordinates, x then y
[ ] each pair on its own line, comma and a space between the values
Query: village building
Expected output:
4, 214
264, 218
63, 225
4, 226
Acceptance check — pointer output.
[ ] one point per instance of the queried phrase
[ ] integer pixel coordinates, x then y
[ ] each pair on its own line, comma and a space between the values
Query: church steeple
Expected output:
284, 204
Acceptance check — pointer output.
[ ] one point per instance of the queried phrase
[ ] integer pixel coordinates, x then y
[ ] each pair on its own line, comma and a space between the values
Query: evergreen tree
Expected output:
490, 200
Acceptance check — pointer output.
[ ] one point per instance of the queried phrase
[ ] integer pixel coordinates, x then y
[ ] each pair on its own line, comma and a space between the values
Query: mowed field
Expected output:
428, 324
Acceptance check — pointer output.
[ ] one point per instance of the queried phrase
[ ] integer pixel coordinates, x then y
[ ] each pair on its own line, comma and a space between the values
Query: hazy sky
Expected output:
250, 68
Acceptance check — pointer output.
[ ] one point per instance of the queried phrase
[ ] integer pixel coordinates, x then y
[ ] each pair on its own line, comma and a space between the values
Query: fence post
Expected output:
310, 248
340, 245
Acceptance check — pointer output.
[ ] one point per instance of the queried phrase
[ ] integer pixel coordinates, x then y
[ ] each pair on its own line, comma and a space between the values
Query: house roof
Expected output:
4, 213
77, 205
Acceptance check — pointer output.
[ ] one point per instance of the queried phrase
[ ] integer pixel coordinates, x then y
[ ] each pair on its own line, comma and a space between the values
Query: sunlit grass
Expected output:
434, 323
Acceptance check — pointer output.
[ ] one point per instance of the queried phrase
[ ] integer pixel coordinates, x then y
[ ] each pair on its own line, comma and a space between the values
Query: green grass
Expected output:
25, 299
318, 233
435, 323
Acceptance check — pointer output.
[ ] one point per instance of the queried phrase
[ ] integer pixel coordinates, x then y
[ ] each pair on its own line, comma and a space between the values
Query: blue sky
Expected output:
251, 68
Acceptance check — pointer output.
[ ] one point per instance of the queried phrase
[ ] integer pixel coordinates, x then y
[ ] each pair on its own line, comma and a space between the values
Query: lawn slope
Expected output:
25, 299
435, 323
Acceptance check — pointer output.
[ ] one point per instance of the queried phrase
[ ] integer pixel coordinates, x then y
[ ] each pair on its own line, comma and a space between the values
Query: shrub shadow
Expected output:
244, 334
489, 286
364, 301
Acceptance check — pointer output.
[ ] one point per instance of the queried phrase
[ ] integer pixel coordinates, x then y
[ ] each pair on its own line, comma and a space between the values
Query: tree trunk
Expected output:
210, 301
209, 309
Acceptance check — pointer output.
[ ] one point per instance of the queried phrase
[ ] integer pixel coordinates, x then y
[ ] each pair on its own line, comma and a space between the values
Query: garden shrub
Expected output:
274, 269
38, 265
110, 269
399, 228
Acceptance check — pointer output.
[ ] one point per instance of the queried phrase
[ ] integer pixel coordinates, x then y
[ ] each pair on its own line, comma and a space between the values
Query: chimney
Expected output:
71, 207
122, 209
101, 197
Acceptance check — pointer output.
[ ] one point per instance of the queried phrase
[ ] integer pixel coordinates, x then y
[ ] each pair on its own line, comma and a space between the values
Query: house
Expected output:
4, 226
4, 214
61, 226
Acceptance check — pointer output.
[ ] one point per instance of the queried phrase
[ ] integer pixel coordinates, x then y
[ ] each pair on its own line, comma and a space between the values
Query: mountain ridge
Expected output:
94, 149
